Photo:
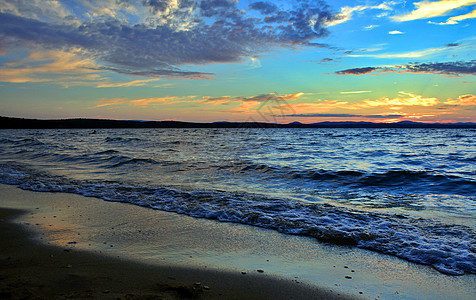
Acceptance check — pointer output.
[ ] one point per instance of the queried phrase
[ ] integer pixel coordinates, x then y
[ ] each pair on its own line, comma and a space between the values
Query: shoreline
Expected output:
175, 252
31, 268
34, 270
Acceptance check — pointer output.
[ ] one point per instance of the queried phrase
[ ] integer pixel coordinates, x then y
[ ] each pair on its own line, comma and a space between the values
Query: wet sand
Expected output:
30, 269
57, 245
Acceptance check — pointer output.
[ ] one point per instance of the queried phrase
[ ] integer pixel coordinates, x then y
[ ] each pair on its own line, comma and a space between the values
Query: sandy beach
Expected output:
68, 246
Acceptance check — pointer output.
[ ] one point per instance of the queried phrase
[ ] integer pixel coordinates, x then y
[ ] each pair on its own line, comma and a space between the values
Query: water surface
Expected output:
410, 193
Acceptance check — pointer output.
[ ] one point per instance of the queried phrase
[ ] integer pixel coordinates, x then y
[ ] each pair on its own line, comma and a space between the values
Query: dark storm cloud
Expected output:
456, 68
215, 31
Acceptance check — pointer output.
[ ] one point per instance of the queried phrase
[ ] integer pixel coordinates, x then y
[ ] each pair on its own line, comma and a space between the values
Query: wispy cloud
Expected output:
139, 82
347, 12
53, 66
427, 9
456, 68
143, 102
395, 32
390, 116
456, 19
355, 92
409, 54
371, 27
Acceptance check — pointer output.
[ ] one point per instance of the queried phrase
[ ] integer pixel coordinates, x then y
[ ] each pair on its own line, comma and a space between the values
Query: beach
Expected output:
32, 269
68, 246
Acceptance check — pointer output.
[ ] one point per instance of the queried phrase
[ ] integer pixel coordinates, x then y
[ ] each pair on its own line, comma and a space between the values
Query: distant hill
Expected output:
20, 123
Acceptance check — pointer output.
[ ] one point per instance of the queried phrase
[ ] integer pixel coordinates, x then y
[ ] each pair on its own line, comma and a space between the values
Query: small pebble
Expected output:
69, 266
243, 272
106, 292
348, 277
205, 287
260, 271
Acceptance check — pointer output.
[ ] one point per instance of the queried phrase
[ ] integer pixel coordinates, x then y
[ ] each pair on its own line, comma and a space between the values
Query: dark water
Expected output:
404, 192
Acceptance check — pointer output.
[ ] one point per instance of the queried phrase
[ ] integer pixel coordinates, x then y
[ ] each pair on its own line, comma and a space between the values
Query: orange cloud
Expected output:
291, 96
410, 100
149, 101
245, 108
463, 100
143, 101
109, 102
218, 100
50, 66
127, 84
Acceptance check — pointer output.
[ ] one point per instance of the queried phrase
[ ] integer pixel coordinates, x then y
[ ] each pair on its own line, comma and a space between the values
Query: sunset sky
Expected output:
230, 60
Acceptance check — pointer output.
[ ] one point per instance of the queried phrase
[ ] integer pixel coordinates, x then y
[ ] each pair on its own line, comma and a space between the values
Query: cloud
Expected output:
454, 20
371, 27
133, 83
408, 99
355, 92
348, 11
154, 38
111, 102
456, 68
427, 9
263, 7
54, 66
395, 32
463, 100
327, 59
143, 102
345, 116
358, 71
262, 98
149, 101
411, 54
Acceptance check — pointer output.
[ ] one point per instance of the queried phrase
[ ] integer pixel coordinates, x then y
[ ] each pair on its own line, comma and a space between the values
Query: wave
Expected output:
28, 142
451, 249
404, 180
123, 139
135, 161
107, 152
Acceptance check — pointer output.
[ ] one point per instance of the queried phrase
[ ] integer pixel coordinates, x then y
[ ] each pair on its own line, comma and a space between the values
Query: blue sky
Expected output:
227, 60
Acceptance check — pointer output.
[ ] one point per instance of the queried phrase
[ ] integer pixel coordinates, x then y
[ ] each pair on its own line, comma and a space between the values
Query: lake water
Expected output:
410, 193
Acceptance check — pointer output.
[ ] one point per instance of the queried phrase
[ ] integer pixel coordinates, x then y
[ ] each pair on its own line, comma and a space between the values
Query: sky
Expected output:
234, 60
